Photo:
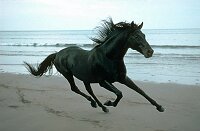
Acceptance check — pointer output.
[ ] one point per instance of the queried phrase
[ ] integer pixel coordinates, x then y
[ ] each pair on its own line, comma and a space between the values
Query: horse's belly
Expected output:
82, 74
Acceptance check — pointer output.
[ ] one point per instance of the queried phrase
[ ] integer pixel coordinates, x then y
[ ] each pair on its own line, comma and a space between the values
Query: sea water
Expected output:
176, 56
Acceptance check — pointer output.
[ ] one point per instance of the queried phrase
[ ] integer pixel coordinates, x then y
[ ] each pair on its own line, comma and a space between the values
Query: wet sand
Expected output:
47, 104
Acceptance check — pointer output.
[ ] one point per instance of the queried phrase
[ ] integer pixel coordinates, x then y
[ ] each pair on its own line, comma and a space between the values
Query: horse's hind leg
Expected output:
113, 89
89, 89
74, 88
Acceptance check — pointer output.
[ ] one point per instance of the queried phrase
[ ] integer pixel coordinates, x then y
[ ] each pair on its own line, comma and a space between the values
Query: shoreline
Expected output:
57, 74
47, 103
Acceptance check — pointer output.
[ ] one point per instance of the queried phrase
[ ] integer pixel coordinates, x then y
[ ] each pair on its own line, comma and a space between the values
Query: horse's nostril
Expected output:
150, 52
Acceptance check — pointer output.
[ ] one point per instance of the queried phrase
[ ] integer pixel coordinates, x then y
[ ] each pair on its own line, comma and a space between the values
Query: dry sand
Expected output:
48, 104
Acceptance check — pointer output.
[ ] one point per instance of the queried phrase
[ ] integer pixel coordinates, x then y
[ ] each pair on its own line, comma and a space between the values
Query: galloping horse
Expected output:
103, 64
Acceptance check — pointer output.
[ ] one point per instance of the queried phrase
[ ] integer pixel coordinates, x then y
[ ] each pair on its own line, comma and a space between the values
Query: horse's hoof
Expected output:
108, 103
160, 109
105, 110
94, 104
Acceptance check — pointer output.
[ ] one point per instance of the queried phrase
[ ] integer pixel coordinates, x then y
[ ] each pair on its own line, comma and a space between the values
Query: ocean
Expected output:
176, 56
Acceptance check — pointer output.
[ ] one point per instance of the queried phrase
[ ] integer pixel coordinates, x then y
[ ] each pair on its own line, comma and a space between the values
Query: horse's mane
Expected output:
107, 27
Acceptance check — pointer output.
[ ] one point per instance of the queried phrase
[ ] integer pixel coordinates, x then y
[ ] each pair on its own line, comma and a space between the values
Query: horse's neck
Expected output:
115, 47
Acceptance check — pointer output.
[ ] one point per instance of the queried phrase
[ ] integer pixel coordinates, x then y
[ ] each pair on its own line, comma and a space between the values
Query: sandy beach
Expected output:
47, 104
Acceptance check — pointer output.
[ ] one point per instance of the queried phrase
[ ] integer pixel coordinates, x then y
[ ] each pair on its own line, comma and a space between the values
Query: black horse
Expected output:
103, 64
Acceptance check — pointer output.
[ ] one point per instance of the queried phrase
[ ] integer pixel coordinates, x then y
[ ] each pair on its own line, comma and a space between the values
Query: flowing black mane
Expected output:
108, 27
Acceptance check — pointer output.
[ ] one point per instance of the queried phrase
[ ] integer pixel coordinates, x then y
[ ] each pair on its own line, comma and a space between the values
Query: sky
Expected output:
87, 14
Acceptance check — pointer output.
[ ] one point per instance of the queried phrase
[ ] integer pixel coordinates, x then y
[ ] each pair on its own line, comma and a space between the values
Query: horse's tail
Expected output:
43, 67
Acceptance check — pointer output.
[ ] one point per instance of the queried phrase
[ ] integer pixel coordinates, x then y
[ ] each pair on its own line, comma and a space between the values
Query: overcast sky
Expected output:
86, 14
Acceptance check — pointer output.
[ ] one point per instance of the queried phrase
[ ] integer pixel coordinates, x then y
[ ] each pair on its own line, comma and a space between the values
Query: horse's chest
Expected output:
111, 70
115, 71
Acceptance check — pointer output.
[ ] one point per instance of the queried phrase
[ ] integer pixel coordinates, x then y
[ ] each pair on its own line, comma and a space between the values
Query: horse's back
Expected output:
70, 54
71, 50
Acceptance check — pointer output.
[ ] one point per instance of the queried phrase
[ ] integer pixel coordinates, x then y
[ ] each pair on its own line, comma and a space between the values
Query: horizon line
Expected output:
92, 29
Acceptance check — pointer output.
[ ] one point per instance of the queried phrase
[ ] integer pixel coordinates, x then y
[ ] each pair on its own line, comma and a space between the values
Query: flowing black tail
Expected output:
42, 68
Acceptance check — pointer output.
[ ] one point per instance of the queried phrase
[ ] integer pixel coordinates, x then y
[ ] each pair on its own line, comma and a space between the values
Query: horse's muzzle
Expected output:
149, 53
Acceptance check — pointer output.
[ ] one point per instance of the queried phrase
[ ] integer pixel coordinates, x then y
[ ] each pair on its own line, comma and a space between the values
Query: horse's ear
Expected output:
132, 24
140, 26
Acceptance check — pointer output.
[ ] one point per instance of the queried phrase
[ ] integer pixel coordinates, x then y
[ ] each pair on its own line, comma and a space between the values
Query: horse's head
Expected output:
138, 42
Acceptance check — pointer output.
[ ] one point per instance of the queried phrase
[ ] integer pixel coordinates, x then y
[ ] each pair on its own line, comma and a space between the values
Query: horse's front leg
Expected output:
113, 89
128, 82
